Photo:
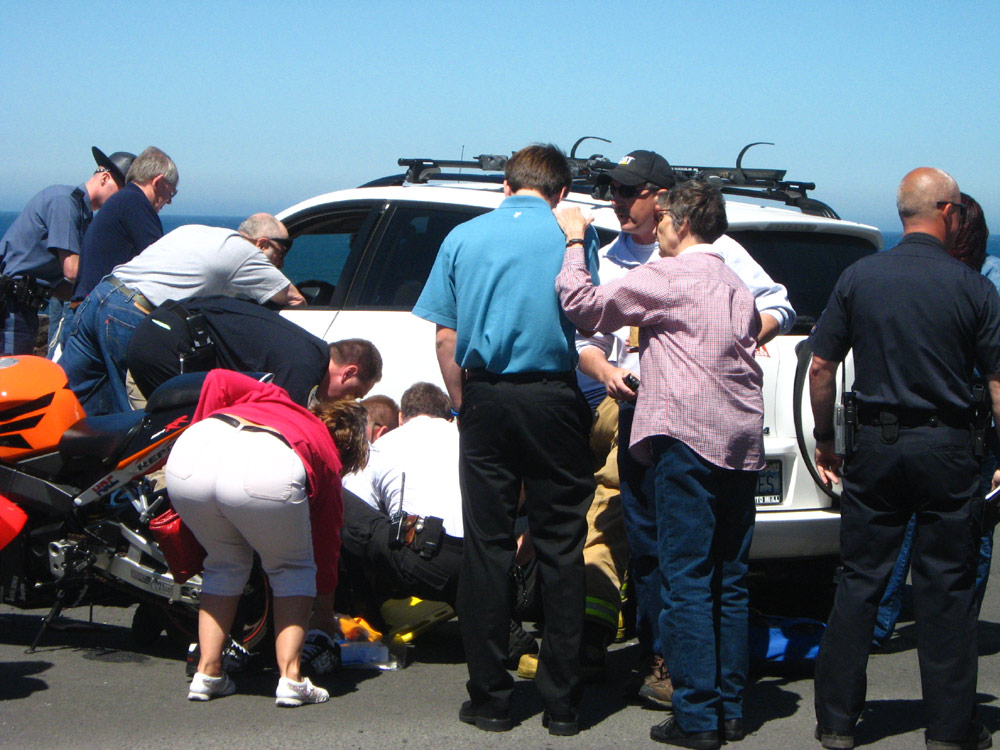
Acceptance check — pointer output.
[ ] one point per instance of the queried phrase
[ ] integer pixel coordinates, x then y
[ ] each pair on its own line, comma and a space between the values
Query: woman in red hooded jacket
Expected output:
258, 472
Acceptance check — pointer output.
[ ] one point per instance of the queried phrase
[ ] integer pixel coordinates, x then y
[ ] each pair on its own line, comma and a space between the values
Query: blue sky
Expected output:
264, 104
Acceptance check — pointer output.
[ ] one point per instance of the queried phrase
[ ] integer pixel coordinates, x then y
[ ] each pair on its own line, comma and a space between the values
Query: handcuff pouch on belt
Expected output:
422, 534
202, 354
24, 290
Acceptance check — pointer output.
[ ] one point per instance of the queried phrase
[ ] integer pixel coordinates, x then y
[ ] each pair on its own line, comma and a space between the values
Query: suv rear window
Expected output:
807, 263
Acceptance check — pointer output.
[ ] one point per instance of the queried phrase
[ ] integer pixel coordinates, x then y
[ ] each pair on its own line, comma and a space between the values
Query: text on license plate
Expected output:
769, 484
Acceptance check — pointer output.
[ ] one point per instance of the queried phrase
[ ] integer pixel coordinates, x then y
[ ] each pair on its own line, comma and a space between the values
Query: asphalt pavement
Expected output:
89, 686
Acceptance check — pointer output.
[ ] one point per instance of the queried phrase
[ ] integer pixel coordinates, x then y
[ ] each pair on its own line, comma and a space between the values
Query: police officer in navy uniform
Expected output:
918, 322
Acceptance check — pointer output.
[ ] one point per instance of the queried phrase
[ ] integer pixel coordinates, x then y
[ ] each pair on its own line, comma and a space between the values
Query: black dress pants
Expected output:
367, 550
929, 471
535, 434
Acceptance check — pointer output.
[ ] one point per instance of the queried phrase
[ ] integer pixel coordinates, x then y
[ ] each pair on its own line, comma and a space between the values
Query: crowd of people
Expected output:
610, 397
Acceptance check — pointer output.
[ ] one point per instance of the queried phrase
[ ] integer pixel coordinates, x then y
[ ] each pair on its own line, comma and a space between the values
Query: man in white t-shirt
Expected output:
412, 475
191, 261
606, 360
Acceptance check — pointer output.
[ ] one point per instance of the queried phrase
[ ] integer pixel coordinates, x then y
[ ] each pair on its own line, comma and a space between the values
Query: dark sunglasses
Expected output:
626, 191
114, 177
960, 206
284, 244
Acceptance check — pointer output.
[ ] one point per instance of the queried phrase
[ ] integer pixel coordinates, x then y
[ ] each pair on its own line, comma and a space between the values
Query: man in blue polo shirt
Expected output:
507, 356
40, 249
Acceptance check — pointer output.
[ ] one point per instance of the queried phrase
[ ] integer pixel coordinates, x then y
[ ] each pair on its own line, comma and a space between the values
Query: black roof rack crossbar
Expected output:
765, 184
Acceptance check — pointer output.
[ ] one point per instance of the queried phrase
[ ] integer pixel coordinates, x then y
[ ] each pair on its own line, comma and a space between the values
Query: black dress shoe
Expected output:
669, 733
487, 718
981, 741
834, 740
733, 729
561, 725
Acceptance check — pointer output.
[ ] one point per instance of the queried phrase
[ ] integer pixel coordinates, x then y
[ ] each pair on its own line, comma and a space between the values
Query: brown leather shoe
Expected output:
656, 686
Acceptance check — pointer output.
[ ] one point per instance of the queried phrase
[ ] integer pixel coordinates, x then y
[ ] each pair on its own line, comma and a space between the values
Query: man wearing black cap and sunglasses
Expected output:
607, 361
40, 250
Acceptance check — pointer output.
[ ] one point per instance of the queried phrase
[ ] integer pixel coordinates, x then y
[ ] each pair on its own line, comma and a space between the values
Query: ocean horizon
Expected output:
172, 221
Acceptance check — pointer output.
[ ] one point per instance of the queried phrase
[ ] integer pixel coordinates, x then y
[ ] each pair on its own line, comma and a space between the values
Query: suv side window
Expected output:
807, 263
400, 261
323, 243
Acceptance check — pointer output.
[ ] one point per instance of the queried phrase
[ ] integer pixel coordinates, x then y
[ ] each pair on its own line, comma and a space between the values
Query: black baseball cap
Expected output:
117, 164
638, 167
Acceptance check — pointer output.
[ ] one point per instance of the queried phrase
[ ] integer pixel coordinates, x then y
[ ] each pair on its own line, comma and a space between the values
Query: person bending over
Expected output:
256, 472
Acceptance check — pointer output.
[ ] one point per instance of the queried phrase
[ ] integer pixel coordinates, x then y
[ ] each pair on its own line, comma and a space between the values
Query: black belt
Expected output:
232, 421
137, 298
485, 376
909, 418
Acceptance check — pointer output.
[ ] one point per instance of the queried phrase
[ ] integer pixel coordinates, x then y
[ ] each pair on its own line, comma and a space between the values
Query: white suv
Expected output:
362, 257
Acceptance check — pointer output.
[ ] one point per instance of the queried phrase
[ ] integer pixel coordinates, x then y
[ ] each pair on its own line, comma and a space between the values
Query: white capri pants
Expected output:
239, 491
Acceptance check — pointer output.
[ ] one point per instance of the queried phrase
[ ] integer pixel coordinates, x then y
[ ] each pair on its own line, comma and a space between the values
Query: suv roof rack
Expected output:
766, 184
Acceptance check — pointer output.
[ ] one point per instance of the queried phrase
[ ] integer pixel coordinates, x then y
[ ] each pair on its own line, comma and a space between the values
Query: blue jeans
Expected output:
60, 315
94, 355
639, 514
705, 520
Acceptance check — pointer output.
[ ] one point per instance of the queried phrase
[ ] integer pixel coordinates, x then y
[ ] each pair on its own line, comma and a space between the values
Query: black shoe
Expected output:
487, 718
669, 733
520, 643
834, 740
565, 725
733, 730
982, 741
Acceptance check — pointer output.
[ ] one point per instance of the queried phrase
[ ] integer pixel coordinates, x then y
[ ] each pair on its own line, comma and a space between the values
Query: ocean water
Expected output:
169, 221
172, 221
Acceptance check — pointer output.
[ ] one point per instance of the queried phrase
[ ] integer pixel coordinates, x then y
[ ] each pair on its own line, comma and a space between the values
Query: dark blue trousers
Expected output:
929, 472
705, 520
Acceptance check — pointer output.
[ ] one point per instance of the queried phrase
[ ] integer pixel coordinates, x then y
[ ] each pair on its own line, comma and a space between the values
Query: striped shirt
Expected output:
698, 323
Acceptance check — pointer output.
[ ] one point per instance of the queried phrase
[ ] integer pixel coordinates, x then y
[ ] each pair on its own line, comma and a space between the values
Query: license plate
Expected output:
769, 484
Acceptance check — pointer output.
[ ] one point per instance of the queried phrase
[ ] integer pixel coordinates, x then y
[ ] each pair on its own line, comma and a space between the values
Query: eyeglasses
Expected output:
960, 206
171, 189
660, 215
626, 191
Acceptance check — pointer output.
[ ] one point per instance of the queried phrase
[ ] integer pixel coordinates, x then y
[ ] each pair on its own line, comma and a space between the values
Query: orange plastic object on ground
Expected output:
36, 406
356, 629
12, 520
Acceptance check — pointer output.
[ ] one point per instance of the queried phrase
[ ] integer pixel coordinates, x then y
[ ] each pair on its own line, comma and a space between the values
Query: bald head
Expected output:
268, 234
925, 203
262, 225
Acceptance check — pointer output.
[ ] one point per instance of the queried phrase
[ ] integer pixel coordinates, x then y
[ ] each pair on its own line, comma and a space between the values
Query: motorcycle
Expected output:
78, 498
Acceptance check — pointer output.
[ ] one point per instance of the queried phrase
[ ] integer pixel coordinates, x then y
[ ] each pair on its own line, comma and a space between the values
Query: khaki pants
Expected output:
605, 551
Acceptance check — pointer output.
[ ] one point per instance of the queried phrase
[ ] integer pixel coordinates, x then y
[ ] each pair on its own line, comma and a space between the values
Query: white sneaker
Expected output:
204, 688
290, 694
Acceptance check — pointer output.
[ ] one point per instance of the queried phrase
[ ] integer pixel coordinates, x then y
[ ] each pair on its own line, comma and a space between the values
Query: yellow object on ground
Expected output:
408, 618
